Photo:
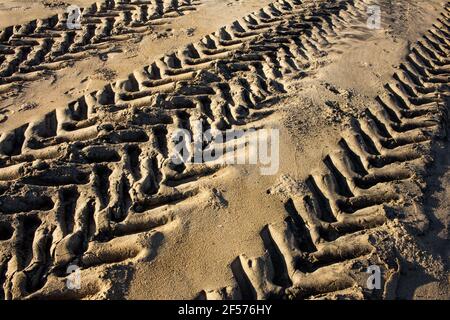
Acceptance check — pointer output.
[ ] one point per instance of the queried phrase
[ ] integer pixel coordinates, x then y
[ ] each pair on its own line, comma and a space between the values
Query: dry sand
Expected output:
86, 179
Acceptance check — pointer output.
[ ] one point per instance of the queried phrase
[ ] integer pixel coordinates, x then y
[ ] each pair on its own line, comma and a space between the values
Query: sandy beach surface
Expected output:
352, 175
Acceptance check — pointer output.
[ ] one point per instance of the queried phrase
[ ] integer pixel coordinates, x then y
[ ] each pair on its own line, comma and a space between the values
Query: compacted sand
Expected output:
87, 178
